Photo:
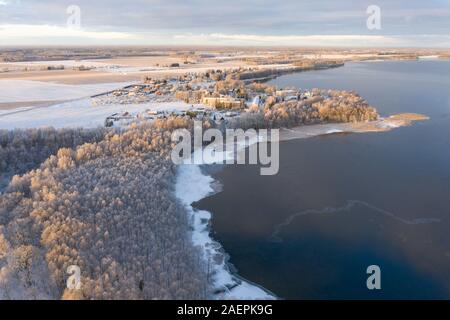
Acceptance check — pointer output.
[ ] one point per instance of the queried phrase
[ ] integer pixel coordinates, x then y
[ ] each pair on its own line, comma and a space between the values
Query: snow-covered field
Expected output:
93, 65
71, 107
25, 90
78, 113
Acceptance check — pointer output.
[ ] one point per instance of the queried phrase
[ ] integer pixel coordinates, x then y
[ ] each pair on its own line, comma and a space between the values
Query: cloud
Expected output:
49, 35
288, 40
421, 40
238, 16
253, 22
17, 31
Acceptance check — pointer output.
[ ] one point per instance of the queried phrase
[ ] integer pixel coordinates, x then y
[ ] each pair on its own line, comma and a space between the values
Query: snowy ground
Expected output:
78, 113
76, 110
25, 90
95, 65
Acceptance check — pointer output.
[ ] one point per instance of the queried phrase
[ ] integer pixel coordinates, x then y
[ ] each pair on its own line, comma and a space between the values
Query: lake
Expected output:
343, 202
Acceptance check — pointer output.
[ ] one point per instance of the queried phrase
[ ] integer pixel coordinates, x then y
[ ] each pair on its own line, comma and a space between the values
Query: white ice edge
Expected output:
432, 57
193, 185
332, 131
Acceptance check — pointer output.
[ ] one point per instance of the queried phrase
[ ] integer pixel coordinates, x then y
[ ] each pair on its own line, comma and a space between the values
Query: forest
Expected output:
107, 207
24, 150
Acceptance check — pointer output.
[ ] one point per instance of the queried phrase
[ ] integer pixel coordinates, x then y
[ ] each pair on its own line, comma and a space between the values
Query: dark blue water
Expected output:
343, 202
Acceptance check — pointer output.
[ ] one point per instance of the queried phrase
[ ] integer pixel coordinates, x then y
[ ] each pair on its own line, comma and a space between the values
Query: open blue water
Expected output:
343, 202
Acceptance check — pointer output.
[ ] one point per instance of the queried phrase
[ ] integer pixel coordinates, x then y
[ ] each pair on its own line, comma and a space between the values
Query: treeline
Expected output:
318, 64
345, 106
325, 106
297, 66
24, 150
265, 73
107, 207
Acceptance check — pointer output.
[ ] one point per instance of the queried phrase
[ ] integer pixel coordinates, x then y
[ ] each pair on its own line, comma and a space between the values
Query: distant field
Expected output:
14, 105
110, 70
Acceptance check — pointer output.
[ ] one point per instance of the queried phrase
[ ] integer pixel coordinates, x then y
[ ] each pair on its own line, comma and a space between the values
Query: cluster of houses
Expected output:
198, 113
259, 99
216, 108
155, 90
292, 94
136, 94
196, 90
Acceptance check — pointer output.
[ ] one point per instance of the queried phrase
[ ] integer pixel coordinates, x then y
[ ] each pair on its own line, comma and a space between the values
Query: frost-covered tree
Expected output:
24, 150
109, 208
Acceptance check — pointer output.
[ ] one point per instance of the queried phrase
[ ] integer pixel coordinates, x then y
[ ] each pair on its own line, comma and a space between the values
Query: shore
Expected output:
193, 184
382, 125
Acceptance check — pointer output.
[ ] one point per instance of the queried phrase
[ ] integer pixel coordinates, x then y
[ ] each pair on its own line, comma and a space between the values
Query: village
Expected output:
215, 95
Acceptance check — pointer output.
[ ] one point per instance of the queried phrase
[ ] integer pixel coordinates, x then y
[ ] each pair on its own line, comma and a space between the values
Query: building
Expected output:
286, 93
223, 102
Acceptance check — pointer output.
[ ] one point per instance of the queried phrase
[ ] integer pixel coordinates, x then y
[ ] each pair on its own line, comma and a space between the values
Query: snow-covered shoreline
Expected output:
192, 185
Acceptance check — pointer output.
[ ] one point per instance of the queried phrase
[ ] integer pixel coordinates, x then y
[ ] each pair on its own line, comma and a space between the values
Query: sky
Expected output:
400, 23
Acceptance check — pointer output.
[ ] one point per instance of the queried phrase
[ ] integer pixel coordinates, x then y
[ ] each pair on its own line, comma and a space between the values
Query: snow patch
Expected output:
428, 57
332, 131
390, 124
